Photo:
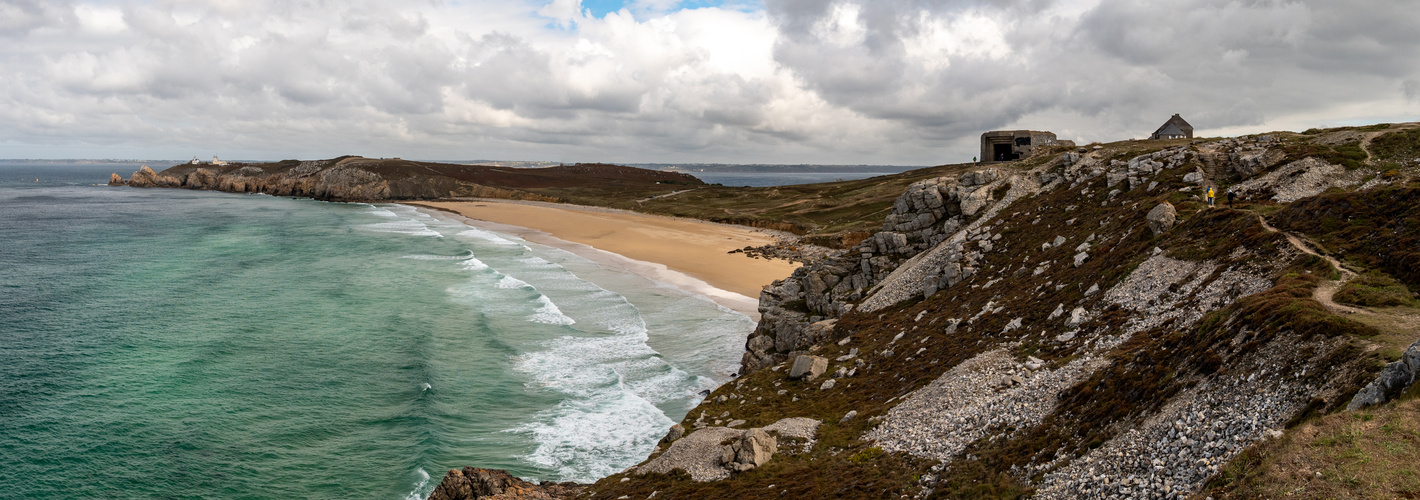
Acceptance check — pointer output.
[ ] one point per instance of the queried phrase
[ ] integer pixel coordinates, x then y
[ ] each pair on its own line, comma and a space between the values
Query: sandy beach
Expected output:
689, 254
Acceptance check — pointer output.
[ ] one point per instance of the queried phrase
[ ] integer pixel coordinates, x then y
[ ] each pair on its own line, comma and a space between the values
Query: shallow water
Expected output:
193, 344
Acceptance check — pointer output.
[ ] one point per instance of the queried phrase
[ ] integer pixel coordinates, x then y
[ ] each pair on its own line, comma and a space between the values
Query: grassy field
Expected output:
1364, 454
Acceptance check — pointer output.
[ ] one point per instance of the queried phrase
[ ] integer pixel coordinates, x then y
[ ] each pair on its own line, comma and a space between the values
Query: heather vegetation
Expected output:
1084, 243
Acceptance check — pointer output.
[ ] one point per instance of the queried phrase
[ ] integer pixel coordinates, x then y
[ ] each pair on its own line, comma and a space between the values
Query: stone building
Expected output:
1008, 145
1175, 128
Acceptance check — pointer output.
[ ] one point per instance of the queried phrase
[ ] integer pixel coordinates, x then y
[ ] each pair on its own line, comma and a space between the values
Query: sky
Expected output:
902, 82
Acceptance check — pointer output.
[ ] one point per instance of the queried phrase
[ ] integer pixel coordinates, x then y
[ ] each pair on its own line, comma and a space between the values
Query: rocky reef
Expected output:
491, 484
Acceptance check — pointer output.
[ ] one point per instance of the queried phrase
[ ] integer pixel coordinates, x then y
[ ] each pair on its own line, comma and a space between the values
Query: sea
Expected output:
167, 343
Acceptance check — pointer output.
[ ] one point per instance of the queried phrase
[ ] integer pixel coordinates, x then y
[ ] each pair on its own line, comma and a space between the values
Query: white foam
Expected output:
473, 264
539, 262
549, 314
586, 440
511, 282
419, 486
486, 236
404, 226
466, 256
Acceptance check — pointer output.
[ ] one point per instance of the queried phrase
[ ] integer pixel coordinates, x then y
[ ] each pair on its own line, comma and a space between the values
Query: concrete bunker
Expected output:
1010, 145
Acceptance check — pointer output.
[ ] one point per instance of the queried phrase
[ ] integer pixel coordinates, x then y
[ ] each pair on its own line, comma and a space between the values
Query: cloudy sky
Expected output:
909, 82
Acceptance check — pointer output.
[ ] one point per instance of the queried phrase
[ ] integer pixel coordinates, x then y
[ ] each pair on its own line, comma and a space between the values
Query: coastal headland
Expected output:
1080, 322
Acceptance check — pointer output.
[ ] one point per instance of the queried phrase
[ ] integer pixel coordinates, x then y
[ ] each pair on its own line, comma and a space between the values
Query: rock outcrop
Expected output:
704, 456
796, 312
932, 240
1396, 377
753, 449
492, 484
1300, 179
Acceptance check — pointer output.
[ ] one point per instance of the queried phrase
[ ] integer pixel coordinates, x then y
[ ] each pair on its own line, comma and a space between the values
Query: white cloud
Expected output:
793, 81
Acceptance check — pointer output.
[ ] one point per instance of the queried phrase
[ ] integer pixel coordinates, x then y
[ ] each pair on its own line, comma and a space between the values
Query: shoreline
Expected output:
687, 254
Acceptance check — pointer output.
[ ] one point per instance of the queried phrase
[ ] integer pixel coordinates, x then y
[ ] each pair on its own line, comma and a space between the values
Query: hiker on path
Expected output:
1211, 193
1231, 194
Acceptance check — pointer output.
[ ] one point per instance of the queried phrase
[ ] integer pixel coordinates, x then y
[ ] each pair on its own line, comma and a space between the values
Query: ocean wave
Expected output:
549, 314
380, 212
487, 236
420, 485
404, 226
468, 254
511, 282
586, 440
473, 264
539, 262
587, 366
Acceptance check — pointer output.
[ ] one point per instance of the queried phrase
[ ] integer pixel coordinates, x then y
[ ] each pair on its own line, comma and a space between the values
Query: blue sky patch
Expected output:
600, 8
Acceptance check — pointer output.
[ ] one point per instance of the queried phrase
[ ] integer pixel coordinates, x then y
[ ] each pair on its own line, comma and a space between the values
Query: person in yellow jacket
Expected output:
1211, 193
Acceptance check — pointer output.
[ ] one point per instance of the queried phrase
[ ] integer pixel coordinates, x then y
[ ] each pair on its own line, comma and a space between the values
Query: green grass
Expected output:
1377, 229
1374, 289
1349, 154
1370, 454
1398, 149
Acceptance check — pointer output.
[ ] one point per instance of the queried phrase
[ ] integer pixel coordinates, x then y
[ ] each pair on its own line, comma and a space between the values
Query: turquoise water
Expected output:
181, 344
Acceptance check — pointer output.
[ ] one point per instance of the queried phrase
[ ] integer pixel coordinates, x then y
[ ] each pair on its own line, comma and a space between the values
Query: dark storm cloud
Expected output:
1120, 64
848, 81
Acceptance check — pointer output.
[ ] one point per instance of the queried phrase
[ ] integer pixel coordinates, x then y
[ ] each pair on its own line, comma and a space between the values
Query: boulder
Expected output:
1194, 177
1077, 316
1393, 379
753, 449
1162, 218
808, 367
674, 433
115, 180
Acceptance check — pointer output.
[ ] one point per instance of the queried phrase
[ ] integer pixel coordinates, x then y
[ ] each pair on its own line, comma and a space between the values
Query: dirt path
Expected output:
1366, 139
1366, 144
1328, 288
667, 195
